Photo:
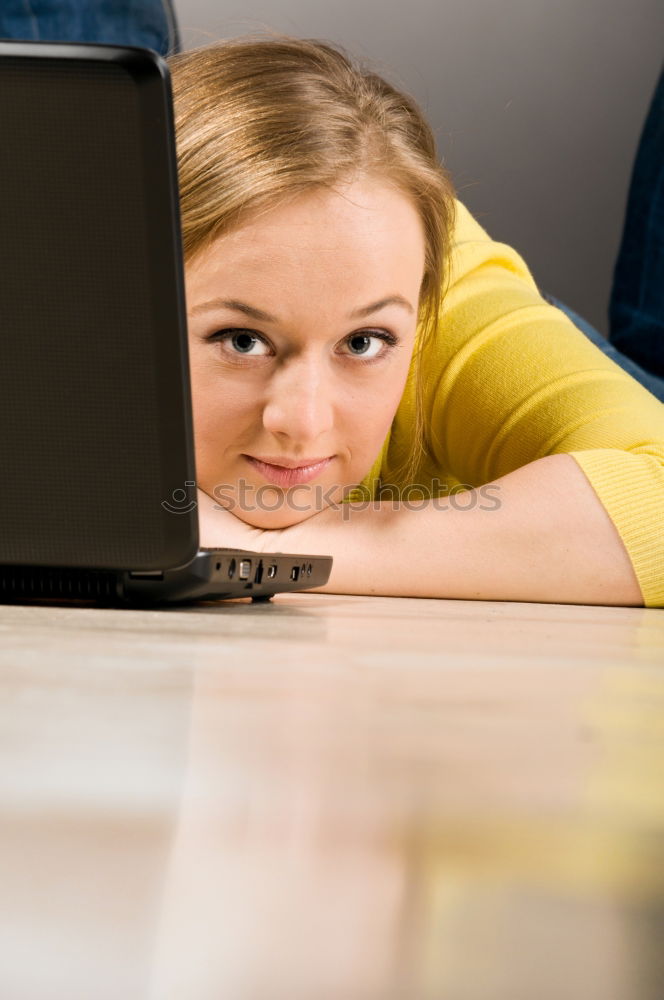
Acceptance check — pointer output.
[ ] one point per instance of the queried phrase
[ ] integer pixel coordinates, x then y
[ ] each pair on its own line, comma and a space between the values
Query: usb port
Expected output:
245, 569
295, 572
271, 572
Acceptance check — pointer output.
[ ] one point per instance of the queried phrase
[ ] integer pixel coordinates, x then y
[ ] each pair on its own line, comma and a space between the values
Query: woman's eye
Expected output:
369, 345
239, 341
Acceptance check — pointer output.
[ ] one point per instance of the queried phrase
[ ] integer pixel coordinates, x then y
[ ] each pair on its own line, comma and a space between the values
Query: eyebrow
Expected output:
259, 314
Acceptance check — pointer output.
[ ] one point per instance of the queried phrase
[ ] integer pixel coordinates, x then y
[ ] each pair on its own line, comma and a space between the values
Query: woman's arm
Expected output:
510, 381
539, 534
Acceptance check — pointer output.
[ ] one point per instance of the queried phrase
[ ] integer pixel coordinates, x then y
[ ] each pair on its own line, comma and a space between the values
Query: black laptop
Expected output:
98, 490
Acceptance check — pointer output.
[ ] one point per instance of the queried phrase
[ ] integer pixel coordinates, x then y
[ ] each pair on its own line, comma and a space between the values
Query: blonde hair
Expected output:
260, 120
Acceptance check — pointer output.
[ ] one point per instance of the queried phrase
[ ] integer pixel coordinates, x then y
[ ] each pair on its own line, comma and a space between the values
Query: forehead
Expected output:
366, 228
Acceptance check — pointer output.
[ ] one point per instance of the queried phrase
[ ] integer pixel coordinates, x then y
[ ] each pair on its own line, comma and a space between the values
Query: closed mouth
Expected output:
295, 474
288, 463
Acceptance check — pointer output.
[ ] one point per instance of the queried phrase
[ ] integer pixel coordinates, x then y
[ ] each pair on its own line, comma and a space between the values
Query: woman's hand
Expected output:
220, 528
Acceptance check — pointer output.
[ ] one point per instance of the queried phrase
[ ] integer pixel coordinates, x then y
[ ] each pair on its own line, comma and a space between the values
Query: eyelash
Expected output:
387, 338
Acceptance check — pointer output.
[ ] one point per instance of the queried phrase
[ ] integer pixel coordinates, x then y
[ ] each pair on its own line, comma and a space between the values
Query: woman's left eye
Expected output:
369, 345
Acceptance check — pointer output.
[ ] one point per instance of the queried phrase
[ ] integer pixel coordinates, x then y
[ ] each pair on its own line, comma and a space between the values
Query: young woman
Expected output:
373, 377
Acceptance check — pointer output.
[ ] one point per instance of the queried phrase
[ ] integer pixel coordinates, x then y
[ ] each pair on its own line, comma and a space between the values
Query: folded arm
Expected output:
539, 534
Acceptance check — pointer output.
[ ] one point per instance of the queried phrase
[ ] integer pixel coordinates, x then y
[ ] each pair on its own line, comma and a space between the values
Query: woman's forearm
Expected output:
541, 534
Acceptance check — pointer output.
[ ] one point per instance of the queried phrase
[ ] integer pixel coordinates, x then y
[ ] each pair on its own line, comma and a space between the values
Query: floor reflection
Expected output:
332, 845
274, 806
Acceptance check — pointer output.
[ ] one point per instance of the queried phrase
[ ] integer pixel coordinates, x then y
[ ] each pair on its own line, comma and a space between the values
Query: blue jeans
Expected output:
149, 24
636, 308
653, 383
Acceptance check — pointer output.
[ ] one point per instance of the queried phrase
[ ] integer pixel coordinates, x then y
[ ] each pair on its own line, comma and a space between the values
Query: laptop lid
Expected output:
97, 431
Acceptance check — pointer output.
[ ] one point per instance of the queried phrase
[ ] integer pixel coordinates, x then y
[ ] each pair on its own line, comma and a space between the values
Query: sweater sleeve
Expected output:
512, 379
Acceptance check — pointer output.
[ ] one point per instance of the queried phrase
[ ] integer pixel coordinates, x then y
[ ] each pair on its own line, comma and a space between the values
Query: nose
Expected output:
299, 406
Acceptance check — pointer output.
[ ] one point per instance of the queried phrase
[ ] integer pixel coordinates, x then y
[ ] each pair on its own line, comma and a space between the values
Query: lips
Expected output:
289, 474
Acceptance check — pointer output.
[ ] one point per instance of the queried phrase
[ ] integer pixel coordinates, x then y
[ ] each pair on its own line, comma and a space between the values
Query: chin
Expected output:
271, 508
271, 520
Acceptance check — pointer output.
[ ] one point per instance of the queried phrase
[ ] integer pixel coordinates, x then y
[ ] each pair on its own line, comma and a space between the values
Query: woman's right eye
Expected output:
241, 342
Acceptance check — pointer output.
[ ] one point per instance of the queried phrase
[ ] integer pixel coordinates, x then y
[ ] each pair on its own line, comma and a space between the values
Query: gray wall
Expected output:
537, 107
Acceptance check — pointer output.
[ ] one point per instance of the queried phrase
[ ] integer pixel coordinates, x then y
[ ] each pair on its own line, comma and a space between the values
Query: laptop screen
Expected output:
94, 375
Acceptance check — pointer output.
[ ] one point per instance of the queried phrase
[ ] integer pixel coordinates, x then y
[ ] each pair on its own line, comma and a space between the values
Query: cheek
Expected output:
222, 409
373, 412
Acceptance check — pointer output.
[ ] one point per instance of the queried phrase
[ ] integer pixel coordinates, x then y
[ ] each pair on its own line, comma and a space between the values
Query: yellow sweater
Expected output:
508, 379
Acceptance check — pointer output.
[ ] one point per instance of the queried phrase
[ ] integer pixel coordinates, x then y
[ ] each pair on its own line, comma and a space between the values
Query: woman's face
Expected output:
301, 330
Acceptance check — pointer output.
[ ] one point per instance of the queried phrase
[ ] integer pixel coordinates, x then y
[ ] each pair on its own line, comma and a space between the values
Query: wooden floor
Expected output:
332, 798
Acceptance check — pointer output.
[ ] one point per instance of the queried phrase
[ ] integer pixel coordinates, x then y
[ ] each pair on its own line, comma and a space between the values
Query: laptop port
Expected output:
245, 568
259, 573
295, 572
271, 572
231, 569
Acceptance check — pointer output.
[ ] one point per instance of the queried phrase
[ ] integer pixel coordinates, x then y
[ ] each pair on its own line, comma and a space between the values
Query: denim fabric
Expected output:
653, 383
636, 307
149, 24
